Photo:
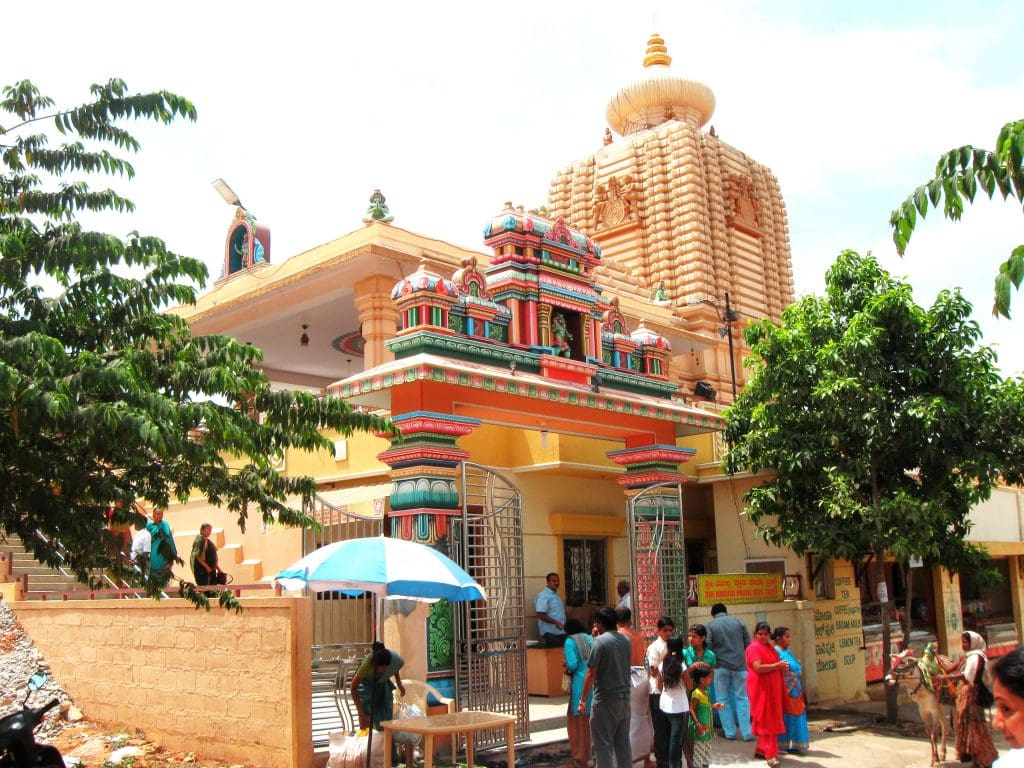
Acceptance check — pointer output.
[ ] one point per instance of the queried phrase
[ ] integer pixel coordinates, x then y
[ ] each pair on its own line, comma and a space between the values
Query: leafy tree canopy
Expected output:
108, 405
882, 422
959, 174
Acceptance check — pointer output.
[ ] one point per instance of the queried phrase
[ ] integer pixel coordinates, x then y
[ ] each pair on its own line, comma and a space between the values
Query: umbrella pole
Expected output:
373, 679
373, 708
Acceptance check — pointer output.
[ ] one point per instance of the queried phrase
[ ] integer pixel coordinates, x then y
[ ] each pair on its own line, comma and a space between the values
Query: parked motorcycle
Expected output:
18, 745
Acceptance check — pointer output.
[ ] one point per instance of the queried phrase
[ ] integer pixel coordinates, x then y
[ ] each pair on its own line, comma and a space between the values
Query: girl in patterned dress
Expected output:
701, 730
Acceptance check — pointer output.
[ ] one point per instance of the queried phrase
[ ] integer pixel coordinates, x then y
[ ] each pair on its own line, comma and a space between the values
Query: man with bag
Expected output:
204, 557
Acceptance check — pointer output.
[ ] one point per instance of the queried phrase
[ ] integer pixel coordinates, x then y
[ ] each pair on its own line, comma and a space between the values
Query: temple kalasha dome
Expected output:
561, 395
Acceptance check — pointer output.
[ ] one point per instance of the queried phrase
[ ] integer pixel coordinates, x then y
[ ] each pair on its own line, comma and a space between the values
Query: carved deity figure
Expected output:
560, 335
628, 191
600, 203
660, 296
378, 210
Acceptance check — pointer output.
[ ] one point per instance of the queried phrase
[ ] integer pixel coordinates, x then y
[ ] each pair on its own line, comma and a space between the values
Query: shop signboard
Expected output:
736, 588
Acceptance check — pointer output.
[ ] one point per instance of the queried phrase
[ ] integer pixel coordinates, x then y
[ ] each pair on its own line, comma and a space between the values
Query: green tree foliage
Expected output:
959, 174
878, 424
106, 402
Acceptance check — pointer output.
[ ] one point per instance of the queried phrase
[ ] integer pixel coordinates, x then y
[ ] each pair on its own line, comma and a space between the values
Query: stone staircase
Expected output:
16, 563
41, 578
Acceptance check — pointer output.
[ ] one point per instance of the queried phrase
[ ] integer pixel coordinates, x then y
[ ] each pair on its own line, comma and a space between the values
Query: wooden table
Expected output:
467, 722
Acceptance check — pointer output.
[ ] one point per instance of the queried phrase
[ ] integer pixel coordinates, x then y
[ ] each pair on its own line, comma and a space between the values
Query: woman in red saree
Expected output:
765, 688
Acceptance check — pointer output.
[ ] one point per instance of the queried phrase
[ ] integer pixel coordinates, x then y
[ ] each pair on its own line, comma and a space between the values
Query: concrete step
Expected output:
183, 539
230, 553
248, 571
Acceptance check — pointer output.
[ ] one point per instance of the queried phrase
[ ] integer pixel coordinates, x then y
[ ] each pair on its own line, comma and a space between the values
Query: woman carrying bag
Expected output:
577, 724
794, 702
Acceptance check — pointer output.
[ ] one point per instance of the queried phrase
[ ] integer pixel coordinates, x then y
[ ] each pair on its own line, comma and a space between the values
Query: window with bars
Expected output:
585, 571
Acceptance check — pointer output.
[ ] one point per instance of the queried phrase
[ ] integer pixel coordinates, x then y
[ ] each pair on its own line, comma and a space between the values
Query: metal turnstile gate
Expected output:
490, 636
660, 586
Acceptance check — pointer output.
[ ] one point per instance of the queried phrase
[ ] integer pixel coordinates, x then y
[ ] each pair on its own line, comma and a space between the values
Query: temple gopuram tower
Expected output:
688, 216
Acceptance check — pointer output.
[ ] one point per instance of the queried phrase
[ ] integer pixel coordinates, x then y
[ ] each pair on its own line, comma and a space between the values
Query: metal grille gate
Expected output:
659, 564
490, 636
342, 626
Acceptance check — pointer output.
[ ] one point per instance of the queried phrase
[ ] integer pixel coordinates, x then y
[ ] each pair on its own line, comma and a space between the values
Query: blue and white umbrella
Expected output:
385, 566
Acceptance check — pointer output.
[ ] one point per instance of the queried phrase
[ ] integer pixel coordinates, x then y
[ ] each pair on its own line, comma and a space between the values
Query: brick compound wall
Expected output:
228, 687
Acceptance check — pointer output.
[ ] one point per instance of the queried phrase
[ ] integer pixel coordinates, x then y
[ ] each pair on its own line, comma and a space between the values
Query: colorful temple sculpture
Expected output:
247, 244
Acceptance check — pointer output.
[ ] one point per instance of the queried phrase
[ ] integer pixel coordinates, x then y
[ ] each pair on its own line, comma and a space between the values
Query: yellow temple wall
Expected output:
733, 526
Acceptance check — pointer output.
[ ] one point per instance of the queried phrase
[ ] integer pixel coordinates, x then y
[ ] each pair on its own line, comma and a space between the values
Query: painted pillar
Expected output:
425, 483
425, 471
378, 318
515, 329
658, 547
949, 625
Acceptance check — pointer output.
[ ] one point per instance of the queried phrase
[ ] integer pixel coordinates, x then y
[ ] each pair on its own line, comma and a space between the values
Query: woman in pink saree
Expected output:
765, 688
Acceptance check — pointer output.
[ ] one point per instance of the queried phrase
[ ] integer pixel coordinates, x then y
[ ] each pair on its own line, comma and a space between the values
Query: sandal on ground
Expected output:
773, 761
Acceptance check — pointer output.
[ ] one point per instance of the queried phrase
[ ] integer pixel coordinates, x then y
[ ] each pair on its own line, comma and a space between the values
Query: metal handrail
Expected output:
126, 592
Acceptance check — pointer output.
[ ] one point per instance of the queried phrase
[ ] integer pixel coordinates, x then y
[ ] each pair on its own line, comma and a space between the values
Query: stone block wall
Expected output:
228, 687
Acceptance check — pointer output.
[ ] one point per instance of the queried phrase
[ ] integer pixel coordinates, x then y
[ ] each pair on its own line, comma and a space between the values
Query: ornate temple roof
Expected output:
423, 279
648, 338
659, 96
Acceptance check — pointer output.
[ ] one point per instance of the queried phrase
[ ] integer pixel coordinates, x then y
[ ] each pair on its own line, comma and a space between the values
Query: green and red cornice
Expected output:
651, 464
411, 370
429, 439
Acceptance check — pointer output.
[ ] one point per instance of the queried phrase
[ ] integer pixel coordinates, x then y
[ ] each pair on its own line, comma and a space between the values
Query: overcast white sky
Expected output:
452, 108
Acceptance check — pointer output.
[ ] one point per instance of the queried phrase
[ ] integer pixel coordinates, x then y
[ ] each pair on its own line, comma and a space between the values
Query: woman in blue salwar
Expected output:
577, 724
795, 739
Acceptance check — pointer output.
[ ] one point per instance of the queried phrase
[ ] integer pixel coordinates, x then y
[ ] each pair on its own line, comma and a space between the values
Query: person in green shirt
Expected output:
204, 557
698, 652
701, 728
372, 689
162, 550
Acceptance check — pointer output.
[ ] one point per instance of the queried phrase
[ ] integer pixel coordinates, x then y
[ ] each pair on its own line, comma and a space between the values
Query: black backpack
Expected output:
983, 694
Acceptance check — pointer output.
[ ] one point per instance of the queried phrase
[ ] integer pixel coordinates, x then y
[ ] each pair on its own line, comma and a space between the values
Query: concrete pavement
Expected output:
852, 736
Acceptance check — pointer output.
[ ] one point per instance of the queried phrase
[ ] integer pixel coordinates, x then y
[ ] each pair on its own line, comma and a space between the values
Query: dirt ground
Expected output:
836, 739
92, 746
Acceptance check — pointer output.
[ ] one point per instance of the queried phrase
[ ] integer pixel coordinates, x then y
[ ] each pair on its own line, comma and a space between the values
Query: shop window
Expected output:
585, 571
766, 566
821, 576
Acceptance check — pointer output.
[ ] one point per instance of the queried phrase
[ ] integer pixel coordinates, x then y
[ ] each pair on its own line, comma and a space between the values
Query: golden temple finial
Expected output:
657, 53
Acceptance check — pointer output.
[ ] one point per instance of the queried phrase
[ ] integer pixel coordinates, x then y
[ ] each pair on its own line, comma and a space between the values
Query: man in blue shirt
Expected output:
729, 637
551, 613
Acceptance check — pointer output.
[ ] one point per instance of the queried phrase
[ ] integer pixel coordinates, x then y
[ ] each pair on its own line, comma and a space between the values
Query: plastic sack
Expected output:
348, 749
401, 712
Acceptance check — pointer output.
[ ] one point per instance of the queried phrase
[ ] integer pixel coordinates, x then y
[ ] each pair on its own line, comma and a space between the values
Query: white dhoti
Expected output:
641, 732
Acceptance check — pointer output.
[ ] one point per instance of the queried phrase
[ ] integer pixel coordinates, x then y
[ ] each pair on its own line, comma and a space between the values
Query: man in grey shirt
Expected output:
608, 674
729, 637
